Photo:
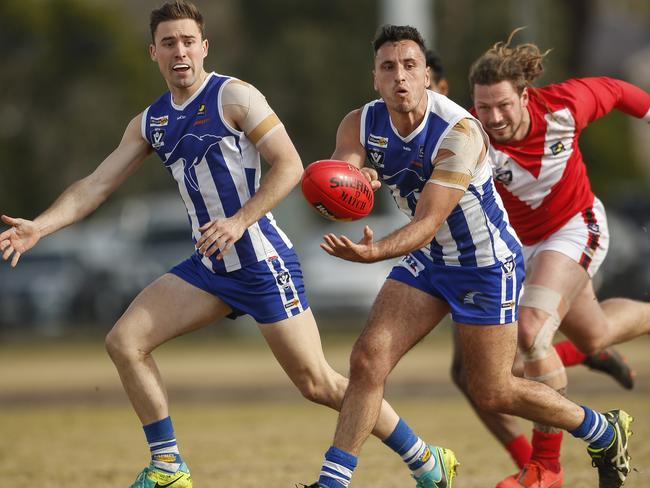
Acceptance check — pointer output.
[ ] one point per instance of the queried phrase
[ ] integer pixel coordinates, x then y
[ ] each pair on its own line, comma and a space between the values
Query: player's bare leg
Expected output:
167, 308
390, 332
552, 284
506, 428
296, 344
494, 388
593, 326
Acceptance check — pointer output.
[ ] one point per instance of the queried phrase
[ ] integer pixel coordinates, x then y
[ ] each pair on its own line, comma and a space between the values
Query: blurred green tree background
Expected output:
76, 71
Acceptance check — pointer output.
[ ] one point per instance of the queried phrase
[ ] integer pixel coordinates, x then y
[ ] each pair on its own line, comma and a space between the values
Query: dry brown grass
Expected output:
65, 423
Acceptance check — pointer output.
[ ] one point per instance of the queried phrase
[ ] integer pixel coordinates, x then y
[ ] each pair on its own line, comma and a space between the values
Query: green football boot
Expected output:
444, 472
152, 477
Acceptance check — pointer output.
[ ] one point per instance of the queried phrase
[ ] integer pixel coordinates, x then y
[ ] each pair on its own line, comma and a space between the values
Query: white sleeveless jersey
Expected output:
477, 232
216, 167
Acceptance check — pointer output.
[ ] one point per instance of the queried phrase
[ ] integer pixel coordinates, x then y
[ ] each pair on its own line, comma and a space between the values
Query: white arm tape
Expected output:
460, 151
259, 119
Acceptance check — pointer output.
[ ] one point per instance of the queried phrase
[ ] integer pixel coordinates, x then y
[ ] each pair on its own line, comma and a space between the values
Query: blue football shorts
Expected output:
269, 290
477, 296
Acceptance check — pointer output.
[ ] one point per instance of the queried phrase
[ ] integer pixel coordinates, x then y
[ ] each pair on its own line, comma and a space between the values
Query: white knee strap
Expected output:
546, 300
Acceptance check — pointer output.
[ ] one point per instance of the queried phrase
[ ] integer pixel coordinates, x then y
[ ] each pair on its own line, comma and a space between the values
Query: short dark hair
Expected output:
435, 63
180, 9
395, 33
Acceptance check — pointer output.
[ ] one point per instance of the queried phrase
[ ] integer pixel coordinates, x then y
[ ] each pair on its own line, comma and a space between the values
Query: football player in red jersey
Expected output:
505, 427
542, 179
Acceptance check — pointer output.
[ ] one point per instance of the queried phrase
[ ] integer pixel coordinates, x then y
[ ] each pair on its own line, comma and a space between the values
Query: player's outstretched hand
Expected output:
363, 251
18, 239
373, 178
219, 236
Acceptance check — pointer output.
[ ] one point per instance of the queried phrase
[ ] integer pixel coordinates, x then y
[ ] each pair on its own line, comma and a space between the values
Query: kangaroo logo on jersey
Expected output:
557, 148
191, 150
379, 141
376, 158
157, 136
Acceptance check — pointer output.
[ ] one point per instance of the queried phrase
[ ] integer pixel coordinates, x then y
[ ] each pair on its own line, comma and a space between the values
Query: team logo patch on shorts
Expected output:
413, 265
474, 298
508, 266
292, 303
283, 279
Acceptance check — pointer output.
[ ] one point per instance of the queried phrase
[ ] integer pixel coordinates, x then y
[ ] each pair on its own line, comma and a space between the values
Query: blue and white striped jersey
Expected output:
217, 169
477, 232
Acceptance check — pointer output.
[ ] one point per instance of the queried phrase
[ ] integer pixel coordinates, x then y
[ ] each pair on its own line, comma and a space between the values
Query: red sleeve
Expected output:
593, 98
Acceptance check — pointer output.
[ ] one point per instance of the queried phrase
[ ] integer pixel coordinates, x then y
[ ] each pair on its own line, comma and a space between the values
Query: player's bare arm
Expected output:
435, 204
79, 199
349, 148
246, 109
460, 152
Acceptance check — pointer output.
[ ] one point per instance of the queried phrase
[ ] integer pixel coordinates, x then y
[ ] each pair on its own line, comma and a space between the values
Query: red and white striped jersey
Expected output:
542, 179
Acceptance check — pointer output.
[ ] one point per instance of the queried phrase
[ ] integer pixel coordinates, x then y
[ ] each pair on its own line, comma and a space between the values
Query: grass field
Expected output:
64, 421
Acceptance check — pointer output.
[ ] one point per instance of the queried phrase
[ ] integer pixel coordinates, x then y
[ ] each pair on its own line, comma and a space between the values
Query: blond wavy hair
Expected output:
520, 65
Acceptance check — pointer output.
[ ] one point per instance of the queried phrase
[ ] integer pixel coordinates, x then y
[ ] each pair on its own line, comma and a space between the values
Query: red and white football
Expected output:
337, 190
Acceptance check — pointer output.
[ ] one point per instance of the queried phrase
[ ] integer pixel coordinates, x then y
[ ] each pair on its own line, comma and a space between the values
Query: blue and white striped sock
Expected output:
162, 444
415, 453
337, 468
595, 430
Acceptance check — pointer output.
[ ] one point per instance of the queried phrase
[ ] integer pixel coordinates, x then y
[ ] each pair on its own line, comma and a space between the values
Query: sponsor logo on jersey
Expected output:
201, 109
159, 121
416, 164
379, 141
593, 228
503, 175
283, 279
508, 305
376, 158
181, 117
412, 264
270, 259
421, 151
157, 136
202, 121
557, 148
291, 304
406, 148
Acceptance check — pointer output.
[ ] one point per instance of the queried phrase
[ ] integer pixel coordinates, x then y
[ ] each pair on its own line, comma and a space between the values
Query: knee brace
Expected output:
546, 300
